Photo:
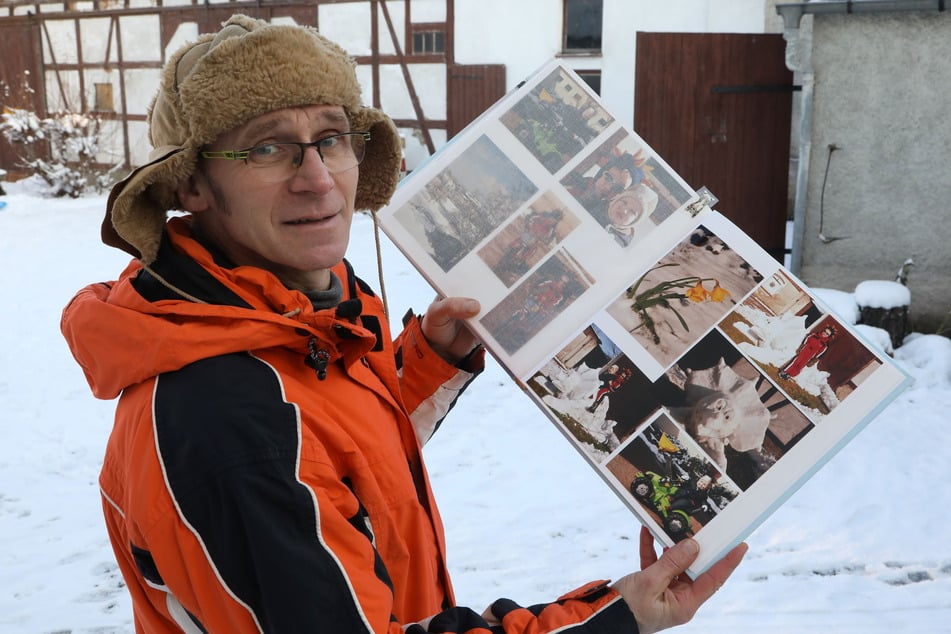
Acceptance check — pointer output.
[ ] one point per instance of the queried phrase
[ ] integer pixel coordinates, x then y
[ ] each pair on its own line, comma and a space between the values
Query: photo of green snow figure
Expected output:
465, 202
670, 477
556, 120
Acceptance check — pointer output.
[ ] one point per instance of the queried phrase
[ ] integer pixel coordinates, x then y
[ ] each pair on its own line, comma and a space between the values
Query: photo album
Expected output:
700, 379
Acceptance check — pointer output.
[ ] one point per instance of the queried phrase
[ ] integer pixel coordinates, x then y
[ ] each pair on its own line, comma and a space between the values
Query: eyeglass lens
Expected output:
279, 161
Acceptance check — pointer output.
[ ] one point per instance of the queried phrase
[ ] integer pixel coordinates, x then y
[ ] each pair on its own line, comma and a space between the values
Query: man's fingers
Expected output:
444, 329
647, 552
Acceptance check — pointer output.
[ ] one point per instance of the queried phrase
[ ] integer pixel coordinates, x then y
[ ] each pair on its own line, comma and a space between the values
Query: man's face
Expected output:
297, 228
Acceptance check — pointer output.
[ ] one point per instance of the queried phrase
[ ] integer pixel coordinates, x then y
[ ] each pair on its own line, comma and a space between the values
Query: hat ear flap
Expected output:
137, 206
380, 169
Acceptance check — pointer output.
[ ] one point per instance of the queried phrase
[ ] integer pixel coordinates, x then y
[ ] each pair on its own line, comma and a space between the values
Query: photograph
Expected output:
683, 295
583, 388
731, 410
664, 471
464, 203
809, 354
556, 120
528, 238
536, 301
624, 189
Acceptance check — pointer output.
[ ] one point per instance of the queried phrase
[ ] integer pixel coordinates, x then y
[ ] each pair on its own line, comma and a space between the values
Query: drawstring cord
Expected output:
171, 286
379, 261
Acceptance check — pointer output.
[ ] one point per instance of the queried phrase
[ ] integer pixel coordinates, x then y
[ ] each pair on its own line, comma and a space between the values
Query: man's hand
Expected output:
660, 596
445, 331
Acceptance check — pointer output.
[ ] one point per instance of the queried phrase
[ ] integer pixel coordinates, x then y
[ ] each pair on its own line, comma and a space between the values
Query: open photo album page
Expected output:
696, 375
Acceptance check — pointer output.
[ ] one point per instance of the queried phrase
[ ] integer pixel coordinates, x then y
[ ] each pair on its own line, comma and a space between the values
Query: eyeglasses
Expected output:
276, 162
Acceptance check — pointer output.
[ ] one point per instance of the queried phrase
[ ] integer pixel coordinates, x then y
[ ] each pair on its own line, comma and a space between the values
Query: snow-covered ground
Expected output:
862, 547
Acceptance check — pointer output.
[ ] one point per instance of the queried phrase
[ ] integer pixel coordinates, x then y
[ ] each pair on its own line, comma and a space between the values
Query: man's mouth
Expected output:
308, 221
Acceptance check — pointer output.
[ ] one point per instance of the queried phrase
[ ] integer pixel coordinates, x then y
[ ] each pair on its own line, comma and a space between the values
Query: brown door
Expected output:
472, 89
718, 108
20, 46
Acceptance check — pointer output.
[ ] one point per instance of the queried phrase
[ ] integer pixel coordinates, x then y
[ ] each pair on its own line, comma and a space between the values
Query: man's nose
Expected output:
312, 168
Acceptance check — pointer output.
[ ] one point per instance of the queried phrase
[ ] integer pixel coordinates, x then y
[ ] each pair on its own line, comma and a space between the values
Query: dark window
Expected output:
592, 78
429, 42
582, 25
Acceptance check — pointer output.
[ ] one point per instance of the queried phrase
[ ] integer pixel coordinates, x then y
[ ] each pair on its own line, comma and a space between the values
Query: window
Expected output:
592, 78
104, 102
429, 42
582, 25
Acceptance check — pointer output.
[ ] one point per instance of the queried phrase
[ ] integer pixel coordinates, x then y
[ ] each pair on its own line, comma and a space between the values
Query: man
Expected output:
264, 473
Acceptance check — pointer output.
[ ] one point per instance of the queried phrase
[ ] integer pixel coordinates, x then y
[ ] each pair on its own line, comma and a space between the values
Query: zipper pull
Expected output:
317, 359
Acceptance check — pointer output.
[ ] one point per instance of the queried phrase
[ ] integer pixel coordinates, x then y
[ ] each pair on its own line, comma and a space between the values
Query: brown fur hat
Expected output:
218, 83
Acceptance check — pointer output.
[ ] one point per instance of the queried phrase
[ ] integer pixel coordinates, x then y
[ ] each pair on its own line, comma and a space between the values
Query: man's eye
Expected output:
329, 143
266, 150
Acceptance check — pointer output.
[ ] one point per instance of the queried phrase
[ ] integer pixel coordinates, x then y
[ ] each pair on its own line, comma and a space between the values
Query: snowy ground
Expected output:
863, 547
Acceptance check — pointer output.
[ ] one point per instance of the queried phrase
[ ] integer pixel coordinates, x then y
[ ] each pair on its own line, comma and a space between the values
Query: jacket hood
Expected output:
186, 307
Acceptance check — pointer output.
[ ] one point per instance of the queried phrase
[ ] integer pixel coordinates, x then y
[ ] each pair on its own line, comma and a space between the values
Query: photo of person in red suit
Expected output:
812, 347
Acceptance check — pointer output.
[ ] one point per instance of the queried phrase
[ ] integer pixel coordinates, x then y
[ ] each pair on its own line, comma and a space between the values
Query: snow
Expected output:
841, 303
862, 547
882, 294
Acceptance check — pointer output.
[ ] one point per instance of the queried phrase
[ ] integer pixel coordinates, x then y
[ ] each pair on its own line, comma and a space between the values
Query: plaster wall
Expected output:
881, 97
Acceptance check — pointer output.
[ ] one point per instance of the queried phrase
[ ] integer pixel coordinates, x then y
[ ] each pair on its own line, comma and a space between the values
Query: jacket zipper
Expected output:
319, 358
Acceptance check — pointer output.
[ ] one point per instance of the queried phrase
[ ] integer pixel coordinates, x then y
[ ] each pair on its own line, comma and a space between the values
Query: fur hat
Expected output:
218, 83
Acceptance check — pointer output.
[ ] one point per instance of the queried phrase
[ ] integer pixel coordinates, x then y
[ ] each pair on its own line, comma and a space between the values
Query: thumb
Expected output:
673, 563
447, 309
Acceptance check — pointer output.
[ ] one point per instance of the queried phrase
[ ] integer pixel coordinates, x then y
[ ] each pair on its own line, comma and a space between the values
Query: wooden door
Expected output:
471, 89
22, 61
718, 109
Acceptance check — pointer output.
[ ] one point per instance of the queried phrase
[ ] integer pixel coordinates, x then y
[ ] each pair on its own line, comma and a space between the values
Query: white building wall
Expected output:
61, 43
140, 37
522, 35
347, 24
428, 10
94, 34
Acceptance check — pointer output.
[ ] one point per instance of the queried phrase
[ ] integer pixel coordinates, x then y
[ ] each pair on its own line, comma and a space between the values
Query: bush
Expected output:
70, 169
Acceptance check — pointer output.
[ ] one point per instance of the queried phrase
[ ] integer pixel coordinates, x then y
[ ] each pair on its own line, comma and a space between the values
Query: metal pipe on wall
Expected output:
793, 12
799, 59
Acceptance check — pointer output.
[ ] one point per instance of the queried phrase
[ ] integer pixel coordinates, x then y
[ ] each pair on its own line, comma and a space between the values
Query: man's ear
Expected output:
194, 194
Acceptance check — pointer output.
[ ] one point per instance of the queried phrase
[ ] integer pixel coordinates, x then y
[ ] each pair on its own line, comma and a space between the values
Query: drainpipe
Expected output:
792, 12
799, 59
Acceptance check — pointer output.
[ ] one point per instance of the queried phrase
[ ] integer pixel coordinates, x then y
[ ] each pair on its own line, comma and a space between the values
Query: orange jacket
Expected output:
264, 472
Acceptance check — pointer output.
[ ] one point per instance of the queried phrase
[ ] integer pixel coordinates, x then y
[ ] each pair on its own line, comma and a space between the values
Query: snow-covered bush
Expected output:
68, 165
